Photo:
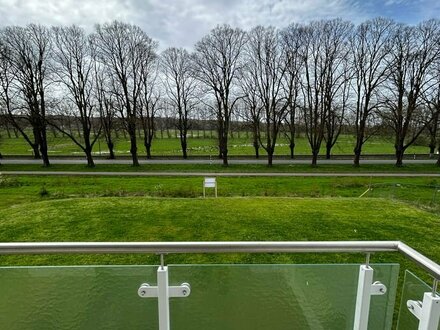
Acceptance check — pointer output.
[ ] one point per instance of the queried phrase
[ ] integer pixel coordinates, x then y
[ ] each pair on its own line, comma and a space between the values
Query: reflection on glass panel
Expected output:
95, 297
277, 297
413, 289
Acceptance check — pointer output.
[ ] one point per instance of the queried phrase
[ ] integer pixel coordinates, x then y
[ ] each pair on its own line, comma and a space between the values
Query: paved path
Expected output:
223, 174
216, 161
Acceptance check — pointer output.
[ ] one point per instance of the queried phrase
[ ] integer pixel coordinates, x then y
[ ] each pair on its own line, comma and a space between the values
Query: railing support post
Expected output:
366, 288
163, 292
163, 298
428, 311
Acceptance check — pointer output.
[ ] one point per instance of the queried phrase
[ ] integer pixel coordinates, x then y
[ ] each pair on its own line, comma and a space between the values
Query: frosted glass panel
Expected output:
413, 289
98, 297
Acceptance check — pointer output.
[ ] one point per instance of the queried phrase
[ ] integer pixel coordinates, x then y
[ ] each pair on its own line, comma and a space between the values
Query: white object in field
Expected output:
209, 183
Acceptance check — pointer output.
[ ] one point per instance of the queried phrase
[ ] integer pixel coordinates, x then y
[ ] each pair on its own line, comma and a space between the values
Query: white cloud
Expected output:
181, 22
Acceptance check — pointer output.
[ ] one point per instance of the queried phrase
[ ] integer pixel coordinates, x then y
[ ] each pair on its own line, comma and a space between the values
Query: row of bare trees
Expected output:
324, 75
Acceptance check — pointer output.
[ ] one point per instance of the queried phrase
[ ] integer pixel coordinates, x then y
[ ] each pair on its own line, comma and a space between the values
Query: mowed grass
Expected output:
221, 219
66, 208
152, 209
198, 145
420, 191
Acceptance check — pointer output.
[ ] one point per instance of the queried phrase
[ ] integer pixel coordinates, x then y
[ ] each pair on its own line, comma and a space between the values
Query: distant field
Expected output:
15, 190
200, 146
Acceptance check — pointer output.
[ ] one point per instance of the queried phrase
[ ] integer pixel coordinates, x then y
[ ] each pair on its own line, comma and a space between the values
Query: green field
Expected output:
79, 208
200, 146
170, 209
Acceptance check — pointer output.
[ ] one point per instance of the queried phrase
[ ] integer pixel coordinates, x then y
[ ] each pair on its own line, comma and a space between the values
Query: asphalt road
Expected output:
80, 161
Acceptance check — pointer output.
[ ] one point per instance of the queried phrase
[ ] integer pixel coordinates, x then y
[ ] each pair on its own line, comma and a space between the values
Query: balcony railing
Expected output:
331, 296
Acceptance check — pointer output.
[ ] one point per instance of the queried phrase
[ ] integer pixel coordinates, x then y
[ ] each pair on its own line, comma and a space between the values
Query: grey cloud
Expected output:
177, 23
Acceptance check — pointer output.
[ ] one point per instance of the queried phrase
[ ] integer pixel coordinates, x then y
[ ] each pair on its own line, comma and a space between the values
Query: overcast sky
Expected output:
183, 22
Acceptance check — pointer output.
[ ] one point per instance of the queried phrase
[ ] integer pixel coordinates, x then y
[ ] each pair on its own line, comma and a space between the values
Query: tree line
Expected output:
321, 76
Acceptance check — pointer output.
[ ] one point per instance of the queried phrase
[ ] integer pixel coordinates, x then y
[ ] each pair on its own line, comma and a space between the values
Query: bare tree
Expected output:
431, 99
74, 69
7, 92
123, 48
28, 50
252, 106
181, 89
266, 62
338, 99
106, 105
291, 40
217, 64
413, 56
149, 102
322, 51
370, 47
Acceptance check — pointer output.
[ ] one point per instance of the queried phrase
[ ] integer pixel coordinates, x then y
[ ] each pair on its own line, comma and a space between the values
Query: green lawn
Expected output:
420, 191
222, 219
201, 146
34, 208
65, 208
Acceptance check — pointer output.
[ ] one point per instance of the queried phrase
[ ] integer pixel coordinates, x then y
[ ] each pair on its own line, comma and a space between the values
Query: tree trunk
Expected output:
315, 157
399, 155
328, 150
110, 146
224, 150
36, 151
44, 155
356, 160
43, 144
133, 146
269, 157
431, 149
292, 150
184, 146
257, 150
90, 162
225, 159
148, 149
357, 153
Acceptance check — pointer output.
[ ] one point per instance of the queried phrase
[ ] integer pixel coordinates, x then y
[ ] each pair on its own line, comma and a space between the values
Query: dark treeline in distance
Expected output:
322, 78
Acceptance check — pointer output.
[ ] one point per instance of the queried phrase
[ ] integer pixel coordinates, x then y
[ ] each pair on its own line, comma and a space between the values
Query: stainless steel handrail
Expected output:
222, 247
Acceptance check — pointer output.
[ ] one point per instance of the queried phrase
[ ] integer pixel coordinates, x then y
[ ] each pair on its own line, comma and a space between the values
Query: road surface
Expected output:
223, 174
79, 161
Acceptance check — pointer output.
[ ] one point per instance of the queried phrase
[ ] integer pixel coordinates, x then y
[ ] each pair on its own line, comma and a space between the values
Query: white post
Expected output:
430, 317
163, 298
428, 311
363, 298
163, 292
366, 288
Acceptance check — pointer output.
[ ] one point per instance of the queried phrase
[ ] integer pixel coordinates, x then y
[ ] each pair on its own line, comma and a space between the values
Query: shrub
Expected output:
43, 192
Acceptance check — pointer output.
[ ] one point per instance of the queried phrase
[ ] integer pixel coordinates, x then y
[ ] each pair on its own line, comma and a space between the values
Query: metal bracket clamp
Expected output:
378, 289
427, 312
415, 307
147, 291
